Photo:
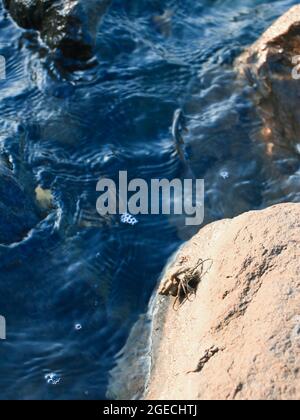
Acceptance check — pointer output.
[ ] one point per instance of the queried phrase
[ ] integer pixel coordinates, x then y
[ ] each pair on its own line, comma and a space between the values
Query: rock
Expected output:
17, 211
270, 65
127, 379
44, 198
67, 26
239, 337
163, 22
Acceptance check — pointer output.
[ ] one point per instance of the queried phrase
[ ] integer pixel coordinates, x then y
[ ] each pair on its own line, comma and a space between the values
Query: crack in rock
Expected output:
209, 354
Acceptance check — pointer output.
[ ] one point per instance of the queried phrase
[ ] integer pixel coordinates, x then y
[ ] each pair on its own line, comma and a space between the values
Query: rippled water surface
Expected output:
73, 287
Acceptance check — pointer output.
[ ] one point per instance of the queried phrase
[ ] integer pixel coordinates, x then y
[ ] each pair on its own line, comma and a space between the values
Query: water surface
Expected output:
71, 289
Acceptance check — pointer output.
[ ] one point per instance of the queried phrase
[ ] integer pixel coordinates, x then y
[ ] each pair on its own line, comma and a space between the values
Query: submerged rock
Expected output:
270, 65
17, 211
238, 337
68, 26
44, 198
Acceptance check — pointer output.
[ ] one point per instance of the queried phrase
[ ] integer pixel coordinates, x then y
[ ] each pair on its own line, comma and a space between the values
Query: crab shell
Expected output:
169, 287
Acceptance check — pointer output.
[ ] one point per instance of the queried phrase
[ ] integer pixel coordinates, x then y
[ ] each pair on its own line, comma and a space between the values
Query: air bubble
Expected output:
128, 219
224, 174
52, 378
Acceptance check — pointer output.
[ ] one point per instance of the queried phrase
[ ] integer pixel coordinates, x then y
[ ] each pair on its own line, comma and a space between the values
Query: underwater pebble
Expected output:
44, 198
52, 379
128, 219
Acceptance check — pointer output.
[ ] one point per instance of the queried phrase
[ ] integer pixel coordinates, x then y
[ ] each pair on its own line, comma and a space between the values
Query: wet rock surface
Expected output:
18, 213
66, 26
270, 65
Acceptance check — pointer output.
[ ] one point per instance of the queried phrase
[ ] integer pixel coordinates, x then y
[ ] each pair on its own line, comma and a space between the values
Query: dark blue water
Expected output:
73, 287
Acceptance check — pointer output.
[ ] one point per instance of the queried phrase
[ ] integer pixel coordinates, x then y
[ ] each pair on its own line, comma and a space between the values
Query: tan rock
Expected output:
270, 65
240, 337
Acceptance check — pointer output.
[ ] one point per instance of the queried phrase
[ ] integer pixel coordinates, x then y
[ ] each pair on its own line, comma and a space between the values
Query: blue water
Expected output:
72, 288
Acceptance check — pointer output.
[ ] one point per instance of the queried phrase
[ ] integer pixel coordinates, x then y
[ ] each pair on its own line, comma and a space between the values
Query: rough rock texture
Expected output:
67, 25
270, 66
240, 337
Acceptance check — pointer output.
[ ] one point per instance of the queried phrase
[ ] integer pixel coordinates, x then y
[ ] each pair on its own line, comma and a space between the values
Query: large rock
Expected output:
69, 26
271, 67
18, 213
239, 337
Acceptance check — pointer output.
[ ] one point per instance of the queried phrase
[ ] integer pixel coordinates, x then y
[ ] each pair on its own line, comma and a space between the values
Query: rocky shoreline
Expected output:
240, 336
